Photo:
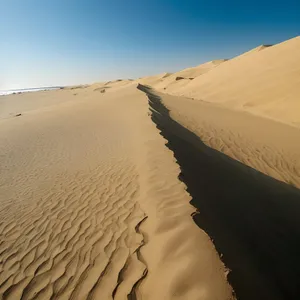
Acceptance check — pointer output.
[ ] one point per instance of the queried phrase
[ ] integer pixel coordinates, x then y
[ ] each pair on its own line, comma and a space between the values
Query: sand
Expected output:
274, 150
173, 186
252, 218
181, 78
91, 206
264, 81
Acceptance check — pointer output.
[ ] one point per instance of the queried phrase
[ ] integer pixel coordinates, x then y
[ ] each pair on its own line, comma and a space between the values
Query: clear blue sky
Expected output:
62, 42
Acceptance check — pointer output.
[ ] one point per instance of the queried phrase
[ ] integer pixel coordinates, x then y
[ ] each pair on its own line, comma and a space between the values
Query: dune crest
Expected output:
188, 74
99, 181
91, 206
264, 81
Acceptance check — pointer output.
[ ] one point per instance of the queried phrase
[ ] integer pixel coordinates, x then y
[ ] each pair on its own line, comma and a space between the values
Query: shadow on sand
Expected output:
253, 219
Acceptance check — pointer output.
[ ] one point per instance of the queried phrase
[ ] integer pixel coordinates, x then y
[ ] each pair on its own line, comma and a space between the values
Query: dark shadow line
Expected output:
253, 219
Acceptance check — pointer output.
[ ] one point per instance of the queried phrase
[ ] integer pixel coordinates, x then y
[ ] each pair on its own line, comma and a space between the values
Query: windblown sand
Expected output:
93, 201
270, 147
91, 206
236, 106
264, 81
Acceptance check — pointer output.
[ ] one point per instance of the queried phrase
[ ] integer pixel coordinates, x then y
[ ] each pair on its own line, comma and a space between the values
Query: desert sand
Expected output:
264, 81
252, 218
173, 186
91, 206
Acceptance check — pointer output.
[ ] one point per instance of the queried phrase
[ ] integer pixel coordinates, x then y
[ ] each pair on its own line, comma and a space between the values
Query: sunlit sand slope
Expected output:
91, 206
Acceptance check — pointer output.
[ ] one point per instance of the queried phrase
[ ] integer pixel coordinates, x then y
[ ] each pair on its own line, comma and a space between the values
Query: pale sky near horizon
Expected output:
50, 43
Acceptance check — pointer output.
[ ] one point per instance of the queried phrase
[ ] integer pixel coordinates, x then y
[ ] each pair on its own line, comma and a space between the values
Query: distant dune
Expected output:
243, 173
256, 49
188, 74
153, 80
264, 81
168, 187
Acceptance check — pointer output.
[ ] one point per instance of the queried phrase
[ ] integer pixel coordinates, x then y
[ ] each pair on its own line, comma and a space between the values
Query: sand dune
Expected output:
184, 76
274, 152
256, 49
252, 218
12, 105
91, 206
153, 80
264, 82
102, 185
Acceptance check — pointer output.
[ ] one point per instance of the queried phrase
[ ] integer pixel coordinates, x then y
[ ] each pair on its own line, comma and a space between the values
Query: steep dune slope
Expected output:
153, 80
262, 82
256, 49
274, 151
91, 206
184, 76
252, 218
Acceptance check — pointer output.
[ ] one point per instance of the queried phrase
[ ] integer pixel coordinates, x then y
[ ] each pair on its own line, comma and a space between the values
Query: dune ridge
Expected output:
99, 195
264, 81
274, 152
246, 213
169, 80
91, 206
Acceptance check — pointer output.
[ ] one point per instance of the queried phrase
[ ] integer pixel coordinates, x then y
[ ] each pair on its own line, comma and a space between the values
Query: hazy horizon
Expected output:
57, 44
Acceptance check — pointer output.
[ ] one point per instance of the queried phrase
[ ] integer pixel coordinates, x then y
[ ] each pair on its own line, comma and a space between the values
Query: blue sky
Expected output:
46, 43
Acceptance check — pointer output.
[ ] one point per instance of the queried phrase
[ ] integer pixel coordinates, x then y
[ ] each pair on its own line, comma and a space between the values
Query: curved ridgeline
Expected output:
252, 218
